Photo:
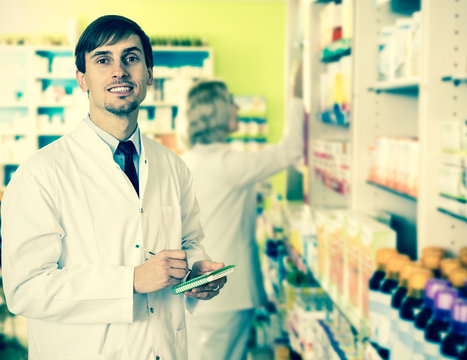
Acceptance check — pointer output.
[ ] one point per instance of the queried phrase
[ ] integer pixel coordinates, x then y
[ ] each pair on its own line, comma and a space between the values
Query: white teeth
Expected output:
120, 89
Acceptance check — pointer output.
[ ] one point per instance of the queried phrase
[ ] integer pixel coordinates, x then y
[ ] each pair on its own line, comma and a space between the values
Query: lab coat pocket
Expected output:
173, 226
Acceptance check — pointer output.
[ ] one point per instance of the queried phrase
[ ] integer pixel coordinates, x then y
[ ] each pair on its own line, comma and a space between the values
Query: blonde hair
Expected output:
208, 112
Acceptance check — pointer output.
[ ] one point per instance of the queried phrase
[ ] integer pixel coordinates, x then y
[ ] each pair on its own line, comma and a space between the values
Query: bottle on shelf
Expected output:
421, 320
447, 265
387, 289
463, 256
409, 308
383, 256
432, 261
457, 335
438, 326
400, 294
433, 250
458, 278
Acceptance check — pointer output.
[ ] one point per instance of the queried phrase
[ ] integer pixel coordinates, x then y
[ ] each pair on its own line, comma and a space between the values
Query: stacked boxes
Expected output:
331, 163
394, 164
347, 244
453, 169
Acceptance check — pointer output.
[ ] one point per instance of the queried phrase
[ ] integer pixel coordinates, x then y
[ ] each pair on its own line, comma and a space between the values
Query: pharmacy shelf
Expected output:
159, 104
455, 79
456, 216
447, 196
396, 86
55, 77
14, 106
300, 264
391, 190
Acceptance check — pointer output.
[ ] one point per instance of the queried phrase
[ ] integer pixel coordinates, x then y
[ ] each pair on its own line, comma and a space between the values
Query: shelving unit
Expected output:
42, 101
413, 108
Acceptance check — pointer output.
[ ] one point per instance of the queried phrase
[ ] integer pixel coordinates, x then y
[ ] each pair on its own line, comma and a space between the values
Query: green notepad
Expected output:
202, 279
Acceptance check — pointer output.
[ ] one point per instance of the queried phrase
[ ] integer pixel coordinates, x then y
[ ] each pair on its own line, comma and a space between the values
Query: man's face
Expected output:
116, 77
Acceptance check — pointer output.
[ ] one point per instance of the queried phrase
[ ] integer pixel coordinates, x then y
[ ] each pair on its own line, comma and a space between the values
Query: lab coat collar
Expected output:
112, 141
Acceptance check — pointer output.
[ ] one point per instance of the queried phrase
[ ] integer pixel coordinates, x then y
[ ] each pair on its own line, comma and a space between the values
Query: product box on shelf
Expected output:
354, 278
374, 235
454, 135
338, 257
324, 222
452, 181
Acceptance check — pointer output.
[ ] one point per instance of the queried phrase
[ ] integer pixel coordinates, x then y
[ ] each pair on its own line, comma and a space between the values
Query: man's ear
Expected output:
81, 81
150, 78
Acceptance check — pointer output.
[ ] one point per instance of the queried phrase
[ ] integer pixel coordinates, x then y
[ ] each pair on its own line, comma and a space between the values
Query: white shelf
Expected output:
397, 85
158, 104
182, 48
456, 79
15, 106
52, 76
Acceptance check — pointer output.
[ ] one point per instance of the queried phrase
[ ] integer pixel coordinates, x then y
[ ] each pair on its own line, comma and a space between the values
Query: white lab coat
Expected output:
73, 230
225, 187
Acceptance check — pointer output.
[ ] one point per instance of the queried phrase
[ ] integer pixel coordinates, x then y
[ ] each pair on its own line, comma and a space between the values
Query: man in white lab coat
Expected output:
220, 329
99, 225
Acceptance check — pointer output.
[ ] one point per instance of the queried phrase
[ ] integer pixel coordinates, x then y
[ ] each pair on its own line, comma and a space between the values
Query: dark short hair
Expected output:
109, 29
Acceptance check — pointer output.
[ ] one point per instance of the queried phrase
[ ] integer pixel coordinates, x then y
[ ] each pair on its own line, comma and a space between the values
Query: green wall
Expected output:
248, 37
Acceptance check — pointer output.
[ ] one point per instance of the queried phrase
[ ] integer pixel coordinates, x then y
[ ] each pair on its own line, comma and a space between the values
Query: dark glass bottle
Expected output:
388, 287
383, 255
431, 288
457, 335
432, 261
438, 326
411, 305
400, 294
458, 279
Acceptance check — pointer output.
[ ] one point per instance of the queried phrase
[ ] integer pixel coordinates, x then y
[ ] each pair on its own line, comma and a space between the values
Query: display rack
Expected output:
413, 107
42, 100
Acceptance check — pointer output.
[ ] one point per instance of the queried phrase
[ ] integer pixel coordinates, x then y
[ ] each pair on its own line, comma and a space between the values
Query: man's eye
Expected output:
102, 61
131, 58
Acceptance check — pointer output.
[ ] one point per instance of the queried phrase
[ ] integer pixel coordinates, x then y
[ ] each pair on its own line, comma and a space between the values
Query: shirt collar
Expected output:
112, 141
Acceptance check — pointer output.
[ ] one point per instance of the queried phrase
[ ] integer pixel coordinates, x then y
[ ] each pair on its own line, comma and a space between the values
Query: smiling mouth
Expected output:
120, 89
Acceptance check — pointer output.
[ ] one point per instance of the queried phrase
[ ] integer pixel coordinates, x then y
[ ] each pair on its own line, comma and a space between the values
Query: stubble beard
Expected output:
122, 110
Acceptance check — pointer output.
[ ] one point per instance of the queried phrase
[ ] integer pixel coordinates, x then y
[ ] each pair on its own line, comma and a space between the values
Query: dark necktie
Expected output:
127, 148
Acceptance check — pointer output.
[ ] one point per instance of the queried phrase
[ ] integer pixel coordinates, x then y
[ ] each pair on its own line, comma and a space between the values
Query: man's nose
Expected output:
119, 70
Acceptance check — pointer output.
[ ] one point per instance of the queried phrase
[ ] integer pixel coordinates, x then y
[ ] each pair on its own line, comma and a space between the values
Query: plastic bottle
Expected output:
463, 256
447, 265
457, 335
438, 326
383, 255
432, 261
433, 250
399, 295
409, 309
458, 279
387, 289
418, 329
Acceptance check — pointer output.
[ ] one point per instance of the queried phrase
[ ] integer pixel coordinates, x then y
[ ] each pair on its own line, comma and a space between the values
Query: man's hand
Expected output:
166, 268
211, 289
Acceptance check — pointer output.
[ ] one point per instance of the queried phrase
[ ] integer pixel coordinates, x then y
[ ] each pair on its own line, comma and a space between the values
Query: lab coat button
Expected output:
145, 161
157, 358
141, 210
151, 310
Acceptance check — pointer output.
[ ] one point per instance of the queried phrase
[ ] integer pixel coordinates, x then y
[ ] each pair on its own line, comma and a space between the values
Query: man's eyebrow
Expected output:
99, 53
125, 51
131, 49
